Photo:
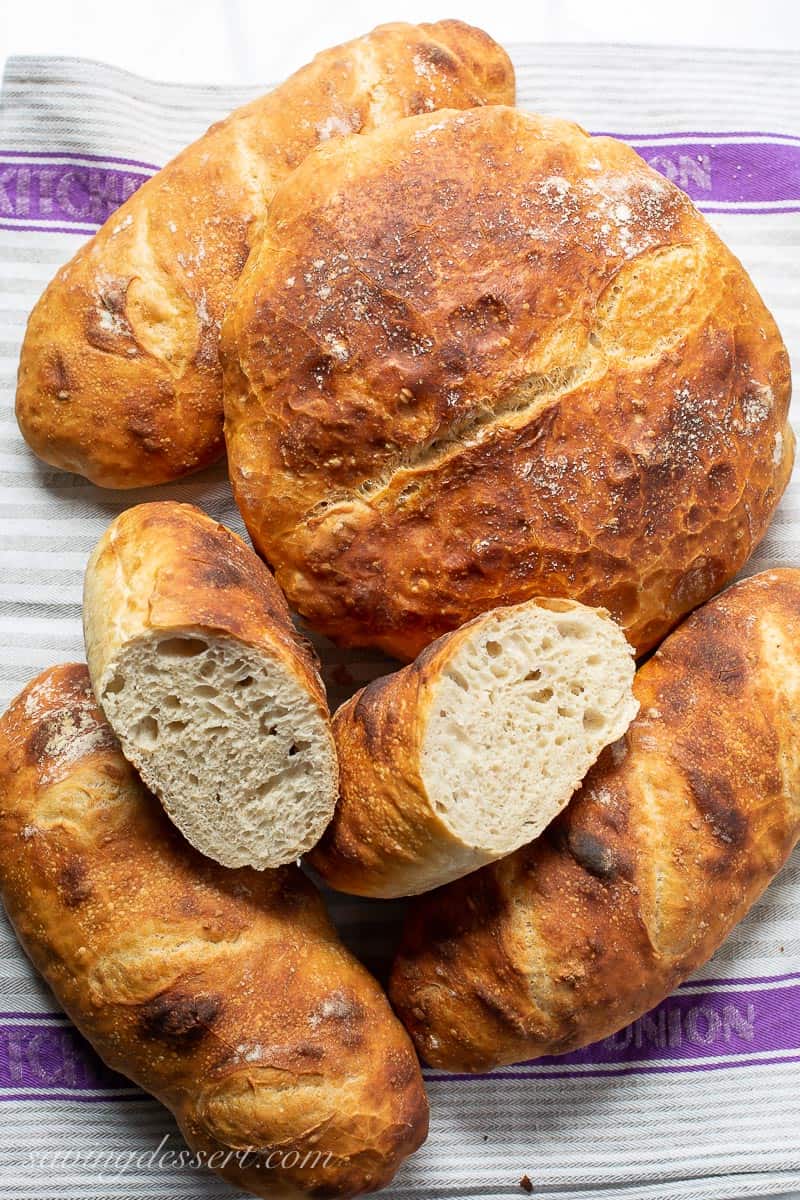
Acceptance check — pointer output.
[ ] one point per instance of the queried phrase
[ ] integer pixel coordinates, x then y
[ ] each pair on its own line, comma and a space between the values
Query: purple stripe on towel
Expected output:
735, 1027
729, 1023
70, 194
735, 173
740, 1026
40, 1057
721, 172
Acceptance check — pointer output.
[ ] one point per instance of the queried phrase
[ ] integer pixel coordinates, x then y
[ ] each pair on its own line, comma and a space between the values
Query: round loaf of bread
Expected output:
481, 356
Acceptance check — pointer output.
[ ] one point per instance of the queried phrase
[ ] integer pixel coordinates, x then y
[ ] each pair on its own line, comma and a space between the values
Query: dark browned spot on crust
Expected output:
55, 376
310, 1050
178, 1018
73, 883
714, 652
500, 1011
436, 56
318, 368
594, 855
368, 710
146, 431
222, 574
55, 727
37, 743
106, 325
716, 800
224, 564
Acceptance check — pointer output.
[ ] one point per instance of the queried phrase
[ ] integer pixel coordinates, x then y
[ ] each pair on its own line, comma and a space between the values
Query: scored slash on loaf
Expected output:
676, 831
474, 748
119, 375
224, 993
215, 698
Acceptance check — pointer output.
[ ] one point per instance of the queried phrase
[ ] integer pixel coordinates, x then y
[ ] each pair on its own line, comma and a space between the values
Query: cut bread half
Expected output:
213, 696
472, 750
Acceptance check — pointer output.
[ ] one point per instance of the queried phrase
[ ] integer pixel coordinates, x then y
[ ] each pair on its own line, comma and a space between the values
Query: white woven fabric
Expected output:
700, 1101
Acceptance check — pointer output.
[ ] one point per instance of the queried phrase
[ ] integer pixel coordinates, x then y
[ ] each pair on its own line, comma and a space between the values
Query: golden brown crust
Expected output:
119, 376
385, 838
169, 566
482, 356
676, 832
225, 993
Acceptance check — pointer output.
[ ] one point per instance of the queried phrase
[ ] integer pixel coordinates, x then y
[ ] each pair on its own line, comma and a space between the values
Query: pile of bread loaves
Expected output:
497, 401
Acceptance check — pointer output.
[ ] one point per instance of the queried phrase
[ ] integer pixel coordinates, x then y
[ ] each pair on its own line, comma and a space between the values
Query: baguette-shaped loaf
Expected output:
677, 830
470, 751
224, 993
119, 378
215, 698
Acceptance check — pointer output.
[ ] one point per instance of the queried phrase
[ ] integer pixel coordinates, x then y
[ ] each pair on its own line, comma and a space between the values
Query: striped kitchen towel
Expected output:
700, 1099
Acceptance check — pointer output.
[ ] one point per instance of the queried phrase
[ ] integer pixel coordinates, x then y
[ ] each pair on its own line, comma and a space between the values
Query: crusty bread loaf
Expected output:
224, 993
482, 356
119, 377
469, 752
215, 699
676, 832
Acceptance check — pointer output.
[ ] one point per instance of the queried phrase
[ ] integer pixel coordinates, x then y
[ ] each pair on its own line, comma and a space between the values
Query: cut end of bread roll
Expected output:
469, 752
214, 698
233, 744
524, 706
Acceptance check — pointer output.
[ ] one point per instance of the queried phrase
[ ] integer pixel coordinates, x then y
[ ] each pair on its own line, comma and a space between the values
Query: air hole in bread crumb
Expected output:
145, 733
494, 649
533, 675
543, 695
292, 750
592, 719
458, 679
246, 682
179, 647
205, 690
571, 629
170, 703
115, 685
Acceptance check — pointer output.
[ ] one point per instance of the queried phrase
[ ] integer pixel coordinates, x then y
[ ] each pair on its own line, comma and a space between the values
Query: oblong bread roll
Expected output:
119, 375
676, 831
469, 752
214, 697
226, 994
